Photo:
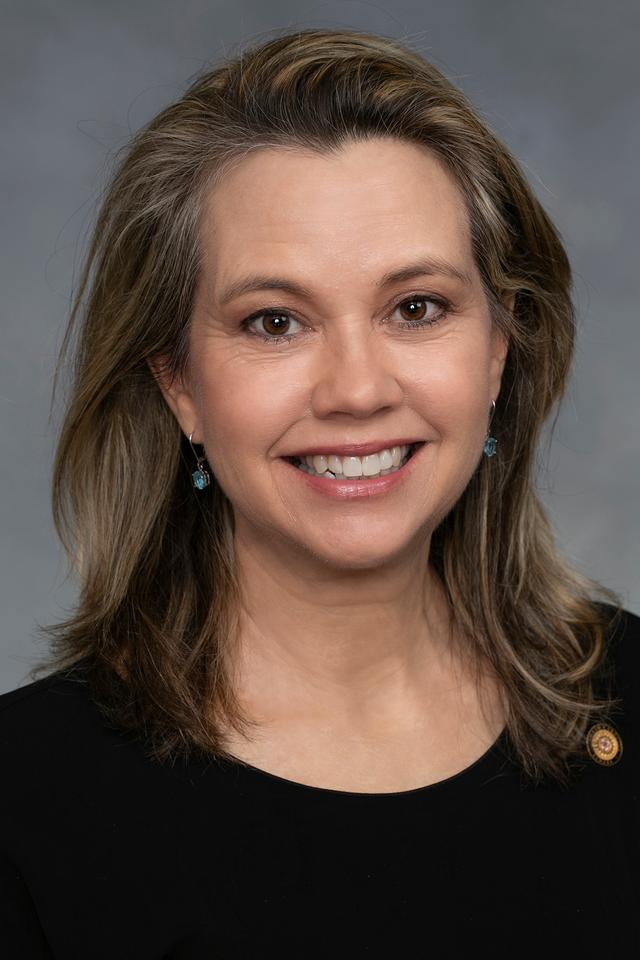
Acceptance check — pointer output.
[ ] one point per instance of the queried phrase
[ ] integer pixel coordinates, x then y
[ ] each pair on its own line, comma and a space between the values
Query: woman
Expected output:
330, 685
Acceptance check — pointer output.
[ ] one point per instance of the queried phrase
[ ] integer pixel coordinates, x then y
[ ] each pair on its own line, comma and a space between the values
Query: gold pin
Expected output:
604, 744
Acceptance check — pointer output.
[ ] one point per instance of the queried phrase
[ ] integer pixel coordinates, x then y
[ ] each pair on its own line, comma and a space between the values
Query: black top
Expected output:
106, 854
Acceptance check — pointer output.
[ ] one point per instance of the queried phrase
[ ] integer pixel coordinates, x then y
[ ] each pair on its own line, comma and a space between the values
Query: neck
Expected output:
363, 647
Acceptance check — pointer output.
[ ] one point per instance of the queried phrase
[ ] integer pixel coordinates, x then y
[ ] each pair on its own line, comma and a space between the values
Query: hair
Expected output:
158, 604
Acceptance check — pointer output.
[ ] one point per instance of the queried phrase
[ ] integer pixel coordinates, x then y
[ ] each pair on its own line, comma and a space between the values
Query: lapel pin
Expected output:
604, 744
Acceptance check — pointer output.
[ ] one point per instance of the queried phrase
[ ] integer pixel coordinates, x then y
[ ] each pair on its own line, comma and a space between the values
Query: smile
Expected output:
334, 467
343, 486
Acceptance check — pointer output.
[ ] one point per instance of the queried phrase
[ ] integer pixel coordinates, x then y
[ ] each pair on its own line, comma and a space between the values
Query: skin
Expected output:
345, 654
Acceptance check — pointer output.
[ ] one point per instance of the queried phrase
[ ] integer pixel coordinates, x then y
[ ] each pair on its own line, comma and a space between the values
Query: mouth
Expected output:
413, 448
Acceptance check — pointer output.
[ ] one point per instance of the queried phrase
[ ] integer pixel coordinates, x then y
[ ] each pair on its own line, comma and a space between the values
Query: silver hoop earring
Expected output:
490, 443
200, 476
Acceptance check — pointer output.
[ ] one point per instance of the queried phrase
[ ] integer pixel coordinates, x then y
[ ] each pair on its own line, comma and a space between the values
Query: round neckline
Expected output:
472, 773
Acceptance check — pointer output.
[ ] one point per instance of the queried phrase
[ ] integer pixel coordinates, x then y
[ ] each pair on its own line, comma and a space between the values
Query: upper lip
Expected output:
354, 449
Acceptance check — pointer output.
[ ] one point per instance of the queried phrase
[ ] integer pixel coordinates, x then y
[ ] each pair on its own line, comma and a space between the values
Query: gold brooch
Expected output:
604, 744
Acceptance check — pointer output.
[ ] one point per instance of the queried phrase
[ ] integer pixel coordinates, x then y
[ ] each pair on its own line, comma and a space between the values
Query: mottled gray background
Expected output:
559, 81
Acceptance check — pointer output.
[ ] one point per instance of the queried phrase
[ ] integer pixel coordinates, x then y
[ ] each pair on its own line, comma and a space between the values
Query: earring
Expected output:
490, 443
200, 476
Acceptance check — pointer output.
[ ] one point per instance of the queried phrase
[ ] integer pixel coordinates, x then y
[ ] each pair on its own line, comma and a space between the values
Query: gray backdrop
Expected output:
560, 83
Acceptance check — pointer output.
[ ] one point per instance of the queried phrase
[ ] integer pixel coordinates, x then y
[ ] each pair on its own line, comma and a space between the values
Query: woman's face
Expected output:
353, 370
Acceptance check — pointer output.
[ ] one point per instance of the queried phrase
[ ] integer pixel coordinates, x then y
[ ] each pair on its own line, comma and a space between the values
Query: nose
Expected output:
355, 373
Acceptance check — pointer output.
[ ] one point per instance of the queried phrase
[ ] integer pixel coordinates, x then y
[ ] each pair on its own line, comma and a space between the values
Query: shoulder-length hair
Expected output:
158, 601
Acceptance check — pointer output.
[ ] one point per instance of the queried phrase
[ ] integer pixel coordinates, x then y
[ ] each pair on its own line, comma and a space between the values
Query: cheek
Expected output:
451, 389
246, 410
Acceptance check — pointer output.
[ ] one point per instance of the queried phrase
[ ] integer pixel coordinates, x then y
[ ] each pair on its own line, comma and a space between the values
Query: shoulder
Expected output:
51, 697
621, 664
622, 655
624, 624
616, 684
44, 722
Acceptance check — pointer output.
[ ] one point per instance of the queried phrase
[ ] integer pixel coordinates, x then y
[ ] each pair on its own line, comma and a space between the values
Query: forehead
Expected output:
350, 212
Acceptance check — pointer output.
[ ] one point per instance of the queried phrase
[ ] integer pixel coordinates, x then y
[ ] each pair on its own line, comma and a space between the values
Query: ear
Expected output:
499, 349
178, 396
509, 302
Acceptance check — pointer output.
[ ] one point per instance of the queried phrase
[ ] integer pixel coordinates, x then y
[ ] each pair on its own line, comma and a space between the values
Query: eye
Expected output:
421, 316
276, 321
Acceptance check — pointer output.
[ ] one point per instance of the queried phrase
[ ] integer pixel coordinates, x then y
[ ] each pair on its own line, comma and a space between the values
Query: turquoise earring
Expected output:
490, 443
200, 476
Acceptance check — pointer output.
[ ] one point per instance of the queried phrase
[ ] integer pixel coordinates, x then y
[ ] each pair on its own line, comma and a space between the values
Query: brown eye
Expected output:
272, 326
275, 323
416, 311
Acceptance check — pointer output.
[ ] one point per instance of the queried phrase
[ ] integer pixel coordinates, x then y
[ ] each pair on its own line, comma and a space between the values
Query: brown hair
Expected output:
158, 591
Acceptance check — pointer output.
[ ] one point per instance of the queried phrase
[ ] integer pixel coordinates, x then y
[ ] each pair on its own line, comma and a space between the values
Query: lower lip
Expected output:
353, 489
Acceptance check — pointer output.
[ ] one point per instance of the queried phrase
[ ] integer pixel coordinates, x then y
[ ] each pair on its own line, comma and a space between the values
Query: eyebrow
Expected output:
426, 266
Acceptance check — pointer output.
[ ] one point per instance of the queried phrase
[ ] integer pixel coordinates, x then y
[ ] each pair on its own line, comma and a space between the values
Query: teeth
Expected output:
376, 464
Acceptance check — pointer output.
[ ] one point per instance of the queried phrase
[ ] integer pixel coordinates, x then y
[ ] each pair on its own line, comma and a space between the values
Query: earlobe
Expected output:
499, 336
159, 372
504, 349
510, 302
498, 360
500, 347
178, 398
